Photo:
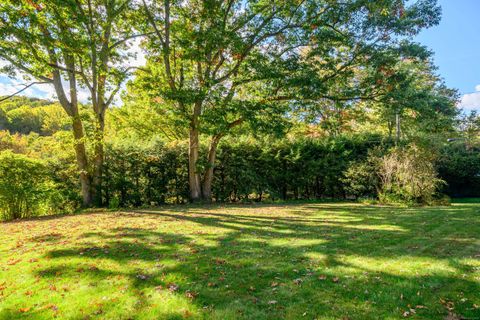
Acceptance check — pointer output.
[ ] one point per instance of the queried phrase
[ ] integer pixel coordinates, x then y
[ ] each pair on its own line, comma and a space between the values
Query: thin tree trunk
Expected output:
193, 149
193, 175
398, 128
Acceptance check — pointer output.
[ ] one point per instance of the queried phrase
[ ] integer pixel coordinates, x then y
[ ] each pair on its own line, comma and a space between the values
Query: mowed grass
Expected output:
296, 261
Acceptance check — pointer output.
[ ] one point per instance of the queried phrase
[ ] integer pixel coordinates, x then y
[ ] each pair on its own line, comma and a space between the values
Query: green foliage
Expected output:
149, 174
25, 186
459, 165
248, 169
26, 115
361, 179
409, 176
279, 100
398, 176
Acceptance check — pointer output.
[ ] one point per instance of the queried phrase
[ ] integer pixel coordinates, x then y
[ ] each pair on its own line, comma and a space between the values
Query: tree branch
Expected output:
20, 91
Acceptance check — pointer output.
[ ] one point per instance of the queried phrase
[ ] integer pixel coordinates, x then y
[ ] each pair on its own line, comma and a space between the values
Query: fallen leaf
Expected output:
13, 262
142, 276
191, 295
172, 287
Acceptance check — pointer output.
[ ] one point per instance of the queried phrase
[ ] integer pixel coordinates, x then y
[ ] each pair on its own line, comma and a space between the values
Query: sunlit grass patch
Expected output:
298, 261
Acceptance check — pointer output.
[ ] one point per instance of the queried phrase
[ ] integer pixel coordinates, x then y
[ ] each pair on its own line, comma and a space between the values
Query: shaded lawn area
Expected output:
297, 261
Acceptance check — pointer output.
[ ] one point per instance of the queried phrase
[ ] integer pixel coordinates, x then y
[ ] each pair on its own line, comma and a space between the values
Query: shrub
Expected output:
361, 179
408, 176
400, 176
25, 187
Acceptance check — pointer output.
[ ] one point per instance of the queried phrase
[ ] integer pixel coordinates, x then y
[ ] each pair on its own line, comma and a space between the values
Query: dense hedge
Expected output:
246, 169
149, 174
258, 170
459, 166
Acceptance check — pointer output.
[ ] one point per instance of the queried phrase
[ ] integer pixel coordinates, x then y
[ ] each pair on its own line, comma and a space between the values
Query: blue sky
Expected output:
455, 42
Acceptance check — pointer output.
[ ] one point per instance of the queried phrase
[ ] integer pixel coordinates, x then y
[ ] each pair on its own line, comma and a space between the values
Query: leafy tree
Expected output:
70, 44
219, 64
25, 120
24, 183
415, 99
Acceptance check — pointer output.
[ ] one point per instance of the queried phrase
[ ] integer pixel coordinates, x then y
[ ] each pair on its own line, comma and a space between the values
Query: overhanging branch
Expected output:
20, 91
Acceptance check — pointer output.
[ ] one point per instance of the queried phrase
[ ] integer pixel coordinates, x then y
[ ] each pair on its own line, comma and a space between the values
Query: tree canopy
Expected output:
222, 70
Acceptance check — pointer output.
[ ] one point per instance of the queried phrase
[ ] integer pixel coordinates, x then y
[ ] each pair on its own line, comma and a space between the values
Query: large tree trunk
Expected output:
71, 107
82, 161
208, 177
99, 160
212, 153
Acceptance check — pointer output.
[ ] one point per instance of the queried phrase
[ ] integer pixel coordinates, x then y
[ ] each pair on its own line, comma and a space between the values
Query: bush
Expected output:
399, 176
361, 179
408, 176
26, 188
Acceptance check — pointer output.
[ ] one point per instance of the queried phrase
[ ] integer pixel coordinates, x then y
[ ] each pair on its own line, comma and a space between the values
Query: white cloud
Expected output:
10, 86
470, 101
45, 91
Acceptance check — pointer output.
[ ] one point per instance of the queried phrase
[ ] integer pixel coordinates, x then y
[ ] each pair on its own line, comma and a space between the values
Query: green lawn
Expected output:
297, 261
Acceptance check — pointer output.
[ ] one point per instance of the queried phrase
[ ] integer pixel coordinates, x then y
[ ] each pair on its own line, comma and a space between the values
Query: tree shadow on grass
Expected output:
266, 267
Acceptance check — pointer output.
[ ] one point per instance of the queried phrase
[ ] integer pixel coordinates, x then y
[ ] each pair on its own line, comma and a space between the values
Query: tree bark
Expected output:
208, 177
398, 128
82, 160
71, 107
193, 175
98, 160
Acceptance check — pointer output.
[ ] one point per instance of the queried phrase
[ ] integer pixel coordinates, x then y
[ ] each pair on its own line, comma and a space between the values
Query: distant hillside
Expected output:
26, 115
